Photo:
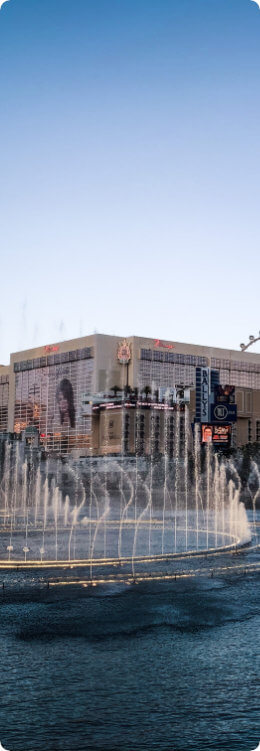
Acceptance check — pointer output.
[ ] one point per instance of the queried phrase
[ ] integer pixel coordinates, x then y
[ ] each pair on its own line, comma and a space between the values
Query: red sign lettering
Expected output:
51, 348
159, 343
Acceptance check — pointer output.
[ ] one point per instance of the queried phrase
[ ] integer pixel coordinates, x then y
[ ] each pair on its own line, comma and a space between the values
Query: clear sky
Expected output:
129, 170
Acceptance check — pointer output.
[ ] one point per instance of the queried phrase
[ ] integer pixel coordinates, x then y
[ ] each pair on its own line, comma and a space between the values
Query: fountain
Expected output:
125, 514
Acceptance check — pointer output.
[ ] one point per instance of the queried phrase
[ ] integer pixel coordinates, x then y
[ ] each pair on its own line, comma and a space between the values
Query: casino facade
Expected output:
80, 395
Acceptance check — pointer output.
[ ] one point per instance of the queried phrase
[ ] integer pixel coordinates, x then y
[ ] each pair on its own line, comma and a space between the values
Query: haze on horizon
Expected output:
129, 185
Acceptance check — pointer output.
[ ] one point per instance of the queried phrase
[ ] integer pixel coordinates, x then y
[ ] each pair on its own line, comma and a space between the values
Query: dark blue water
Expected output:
130, 668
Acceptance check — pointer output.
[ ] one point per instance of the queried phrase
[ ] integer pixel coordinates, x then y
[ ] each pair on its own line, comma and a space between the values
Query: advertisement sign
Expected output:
52, 399
223, 412
224, 394
204, 398
206, 433
216, 434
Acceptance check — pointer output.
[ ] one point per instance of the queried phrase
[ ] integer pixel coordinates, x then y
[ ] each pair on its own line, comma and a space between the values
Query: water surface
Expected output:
122, 667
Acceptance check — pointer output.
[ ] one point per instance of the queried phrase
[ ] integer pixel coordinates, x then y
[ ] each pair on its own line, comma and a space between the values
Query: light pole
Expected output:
252, 340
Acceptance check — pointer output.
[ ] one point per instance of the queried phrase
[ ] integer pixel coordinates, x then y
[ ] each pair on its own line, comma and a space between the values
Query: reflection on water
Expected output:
121, 666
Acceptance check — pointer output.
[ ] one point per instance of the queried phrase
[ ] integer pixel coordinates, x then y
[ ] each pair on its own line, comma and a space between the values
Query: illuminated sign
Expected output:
124, 353
220, 412
52, 400
204, 398
130, 405
224, 412
206, 433
51, 348
224, 394
216, 434
159, 343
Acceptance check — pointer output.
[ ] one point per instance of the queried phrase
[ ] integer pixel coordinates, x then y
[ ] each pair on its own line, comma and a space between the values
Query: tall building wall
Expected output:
164, 361
109, 372
4, 398
30, 387
48, 389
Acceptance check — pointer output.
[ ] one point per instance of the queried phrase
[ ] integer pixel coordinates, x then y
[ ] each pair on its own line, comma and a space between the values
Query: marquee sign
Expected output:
124, 353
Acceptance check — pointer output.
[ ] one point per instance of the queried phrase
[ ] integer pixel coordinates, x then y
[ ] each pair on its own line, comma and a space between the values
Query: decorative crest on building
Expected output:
124, 353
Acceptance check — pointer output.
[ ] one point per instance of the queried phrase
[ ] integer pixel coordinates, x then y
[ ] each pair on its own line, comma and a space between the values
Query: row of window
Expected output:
246, 367
41, 362
235, 378
251, 437
3, 419
173, 357
164, 375
4, 395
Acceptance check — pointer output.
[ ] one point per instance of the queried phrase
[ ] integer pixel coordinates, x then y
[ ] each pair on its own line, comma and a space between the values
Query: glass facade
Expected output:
167, 369
51, 391
51, 394
4, 396
237, 373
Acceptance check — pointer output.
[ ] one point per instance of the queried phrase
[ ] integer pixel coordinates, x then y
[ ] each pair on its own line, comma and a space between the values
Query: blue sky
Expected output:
129, 170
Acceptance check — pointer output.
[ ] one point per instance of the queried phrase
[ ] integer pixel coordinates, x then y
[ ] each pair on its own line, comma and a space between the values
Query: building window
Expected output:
240, 401
257, 431
248, 406
249, 435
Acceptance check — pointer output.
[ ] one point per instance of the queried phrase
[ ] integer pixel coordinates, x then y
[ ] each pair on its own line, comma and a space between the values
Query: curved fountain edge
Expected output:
87, 562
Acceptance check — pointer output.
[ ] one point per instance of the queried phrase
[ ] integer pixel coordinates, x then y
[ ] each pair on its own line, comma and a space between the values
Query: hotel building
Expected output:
58, 388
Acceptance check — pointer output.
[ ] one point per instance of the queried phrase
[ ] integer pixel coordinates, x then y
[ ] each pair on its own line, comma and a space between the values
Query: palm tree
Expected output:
115, 389
147, 390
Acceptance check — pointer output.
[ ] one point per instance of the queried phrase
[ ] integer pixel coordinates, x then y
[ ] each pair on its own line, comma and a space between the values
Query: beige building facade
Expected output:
51, 387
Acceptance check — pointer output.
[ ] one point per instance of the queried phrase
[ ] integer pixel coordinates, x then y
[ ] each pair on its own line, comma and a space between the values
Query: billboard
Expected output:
216, 434
204, 397
223, 412
224, 394
53, 399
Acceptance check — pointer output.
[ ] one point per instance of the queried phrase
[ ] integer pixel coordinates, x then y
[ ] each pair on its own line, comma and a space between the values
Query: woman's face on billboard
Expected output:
63, 403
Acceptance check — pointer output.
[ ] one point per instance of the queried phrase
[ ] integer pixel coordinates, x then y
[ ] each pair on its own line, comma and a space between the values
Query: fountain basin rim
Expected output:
139, 578
87, 562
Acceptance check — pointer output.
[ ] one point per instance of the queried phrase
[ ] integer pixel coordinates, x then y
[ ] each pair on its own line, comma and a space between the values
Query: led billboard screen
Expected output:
224, 394
216, 434
53, 399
